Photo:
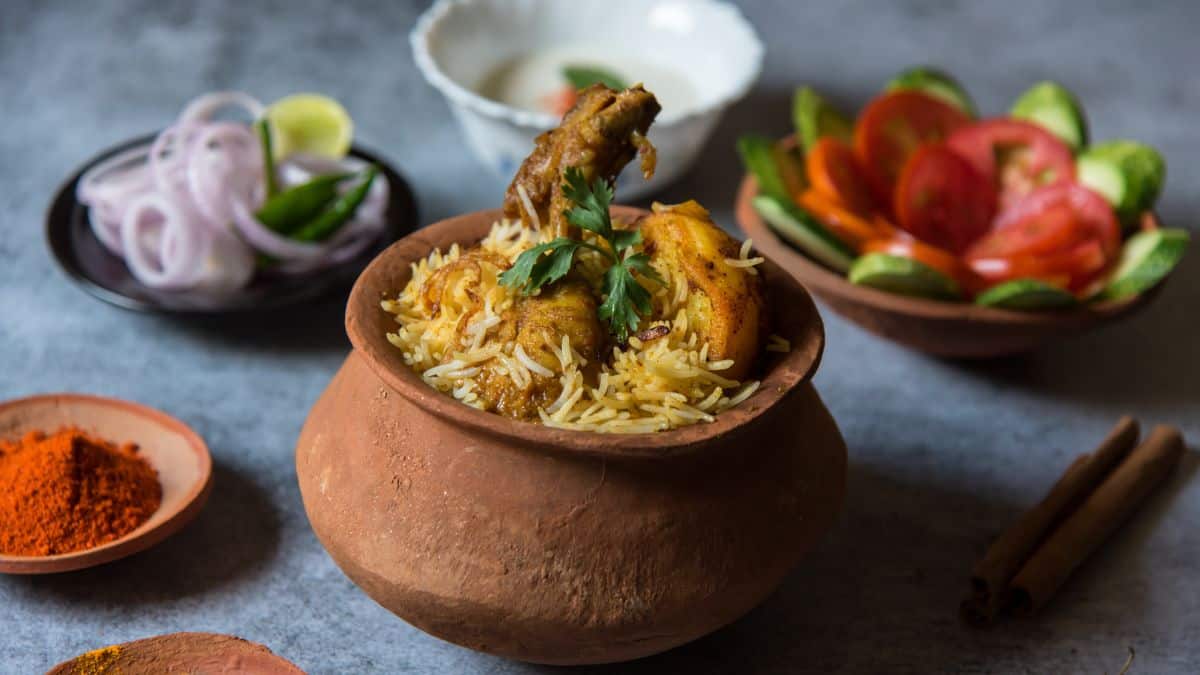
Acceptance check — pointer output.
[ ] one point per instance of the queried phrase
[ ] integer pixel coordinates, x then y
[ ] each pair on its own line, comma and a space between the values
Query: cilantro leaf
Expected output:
591, 204
626, 301
582, 77
623, 239
532, 270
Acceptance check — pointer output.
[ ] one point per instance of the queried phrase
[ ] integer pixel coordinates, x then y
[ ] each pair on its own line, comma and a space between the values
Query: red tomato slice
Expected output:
892, 126
1073, 269
845, 224
1016, 156
1050, 219
1062, 233
942, 200
939, 259
833, 170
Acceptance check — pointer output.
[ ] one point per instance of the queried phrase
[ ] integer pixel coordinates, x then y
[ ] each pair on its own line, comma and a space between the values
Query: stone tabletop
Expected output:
942, 455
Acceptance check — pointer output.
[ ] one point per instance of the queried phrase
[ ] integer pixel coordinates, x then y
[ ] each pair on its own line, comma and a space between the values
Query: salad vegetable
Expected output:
814, 119
210, 200
1055, 108
919, 198
937, 83
1127, 173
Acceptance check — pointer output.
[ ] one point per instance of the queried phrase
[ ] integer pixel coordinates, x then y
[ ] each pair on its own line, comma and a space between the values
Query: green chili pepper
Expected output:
293, 208
338, 213
264, 138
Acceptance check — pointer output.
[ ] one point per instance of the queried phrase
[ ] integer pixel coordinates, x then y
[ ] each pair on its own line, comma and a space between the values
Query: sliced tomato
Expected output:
942, 200
1017, 157
850, 227
1073, 269
833, 169
892, 126
1063, 234
939, 259
1149, 222
1049, 219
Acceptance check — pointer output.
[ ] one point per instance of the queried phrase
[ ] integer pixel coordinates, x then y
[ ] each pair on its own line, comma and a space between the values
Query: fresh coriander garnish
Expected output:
582, 77
625, 299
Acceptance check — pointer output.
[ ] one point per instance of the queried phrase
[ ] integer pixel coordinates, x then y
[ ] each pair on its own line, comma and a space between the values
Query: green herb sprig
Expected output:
625, 299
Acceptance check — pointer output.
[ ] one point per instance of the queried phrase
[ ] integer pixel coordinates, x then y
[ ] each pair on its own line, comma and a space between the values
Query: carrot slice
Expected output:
850, 227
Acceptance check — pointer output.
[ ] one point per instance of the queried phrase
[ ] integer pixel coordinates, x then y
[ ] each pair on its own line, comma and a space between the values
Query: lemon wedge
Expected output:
311, 124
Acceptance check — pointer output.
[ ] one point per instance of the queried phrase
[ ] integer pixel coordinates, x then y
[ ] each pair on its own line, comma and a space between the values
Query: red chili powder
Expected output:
70, 491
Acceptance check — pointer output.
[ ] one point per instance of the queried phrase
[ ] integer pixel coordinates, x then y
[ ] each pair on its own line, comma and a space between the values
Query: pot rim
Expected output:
792, 309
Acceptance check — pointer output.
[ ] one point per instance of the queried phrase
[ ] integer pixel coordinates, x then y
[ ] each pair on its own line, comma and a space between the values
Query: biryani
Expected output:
563, 316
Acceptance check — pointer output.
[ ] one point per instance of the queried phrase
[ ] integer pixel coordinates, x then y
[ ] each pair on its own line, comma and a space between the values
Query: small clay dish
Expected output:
207, 653
560, 546
949, 329
176, 452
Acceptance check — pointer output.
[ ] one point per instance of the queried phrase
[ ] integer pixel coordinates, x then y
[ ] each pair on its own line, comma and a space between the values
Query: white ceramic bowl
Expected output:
458, 43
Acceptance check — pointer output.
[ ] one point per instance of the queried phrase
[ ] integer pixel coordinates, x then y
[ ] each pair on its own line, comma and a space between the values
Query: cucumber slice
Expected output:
1146, 259
759, 157
1025, 294
802, 230
814, 118
1128, 174
1053, 107
937, 83
903, 276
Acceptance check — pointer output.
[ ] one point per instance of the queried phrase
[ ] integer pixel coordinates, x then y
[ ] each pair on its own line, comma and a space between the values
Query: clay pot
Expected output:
557, 546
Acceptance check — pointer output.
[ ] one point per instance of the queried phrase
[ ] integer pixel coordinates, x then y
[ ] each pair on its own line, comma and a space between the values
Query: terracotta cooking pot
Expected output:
558, 546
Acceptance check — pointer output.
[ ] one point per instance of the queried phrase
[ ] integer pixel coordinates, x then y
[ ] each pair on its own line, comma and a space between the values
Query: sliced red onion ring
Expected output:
203, 108
152, 226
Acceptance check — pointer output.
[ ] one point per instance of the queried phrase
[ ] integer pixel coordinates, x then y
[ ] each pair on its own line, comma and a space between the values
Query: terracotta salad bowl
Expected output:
949, 329
559, 546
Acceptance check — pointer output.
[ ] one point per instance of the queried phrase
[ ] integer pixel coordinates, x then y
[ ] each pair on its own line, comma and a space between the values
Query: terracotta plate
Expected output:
91, 266
207, 653
174, 450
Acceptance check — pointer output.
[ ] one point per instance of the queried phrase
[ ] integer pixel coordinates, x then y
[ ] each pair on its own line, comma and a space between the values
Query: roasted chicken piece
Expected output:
726, 305
565, 308
599, 136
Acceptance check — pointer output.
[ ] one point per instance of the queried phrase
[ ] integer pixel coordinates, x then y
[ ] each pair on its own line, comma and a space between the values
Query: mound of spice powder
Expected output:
70, 491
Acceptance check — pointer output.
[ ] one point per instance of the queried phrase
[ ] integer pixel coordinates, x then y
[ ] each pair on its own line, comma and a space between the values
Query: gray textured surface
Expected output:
942, 455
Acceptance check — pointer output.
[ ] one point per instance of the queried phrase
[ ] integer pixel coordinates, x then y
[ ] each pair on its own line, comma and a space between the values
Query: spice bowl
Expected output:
554, 545
181, 652
172, 449
945, 329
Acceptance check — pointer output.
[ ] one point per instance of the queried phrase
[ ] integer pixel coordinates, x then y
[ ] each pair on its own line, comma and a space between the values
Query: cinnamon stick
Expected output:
991, 576
1099, 515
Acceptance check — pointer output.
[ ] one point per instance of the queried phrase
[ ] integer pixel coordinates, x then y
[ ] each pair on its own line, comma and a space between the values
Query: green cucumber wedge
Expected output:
759, 158
1054, 108
903, 276
814, 118
1128, 174
1025, 294
937, 83
1146, 259
802, 230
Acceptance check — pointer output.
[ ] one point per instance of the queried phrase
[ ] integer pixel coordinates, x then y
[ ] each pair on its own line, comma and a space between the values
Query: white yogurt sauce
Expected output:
527, 80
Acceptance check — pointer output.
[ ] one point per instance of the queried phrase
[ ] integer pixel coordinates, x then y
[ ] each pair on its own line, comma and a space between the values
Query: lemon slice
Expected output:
310, 123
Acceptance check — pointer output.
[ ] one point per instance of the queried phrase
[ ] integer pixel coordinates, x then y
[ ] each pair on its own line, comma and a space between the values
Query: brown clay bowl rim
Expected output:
782, 374
188, 649
145, 535
827, 281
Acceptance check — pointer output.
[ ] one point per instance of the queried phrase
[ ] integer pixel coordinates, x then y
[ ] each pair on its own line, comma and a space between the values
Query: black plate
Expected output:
104, 275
